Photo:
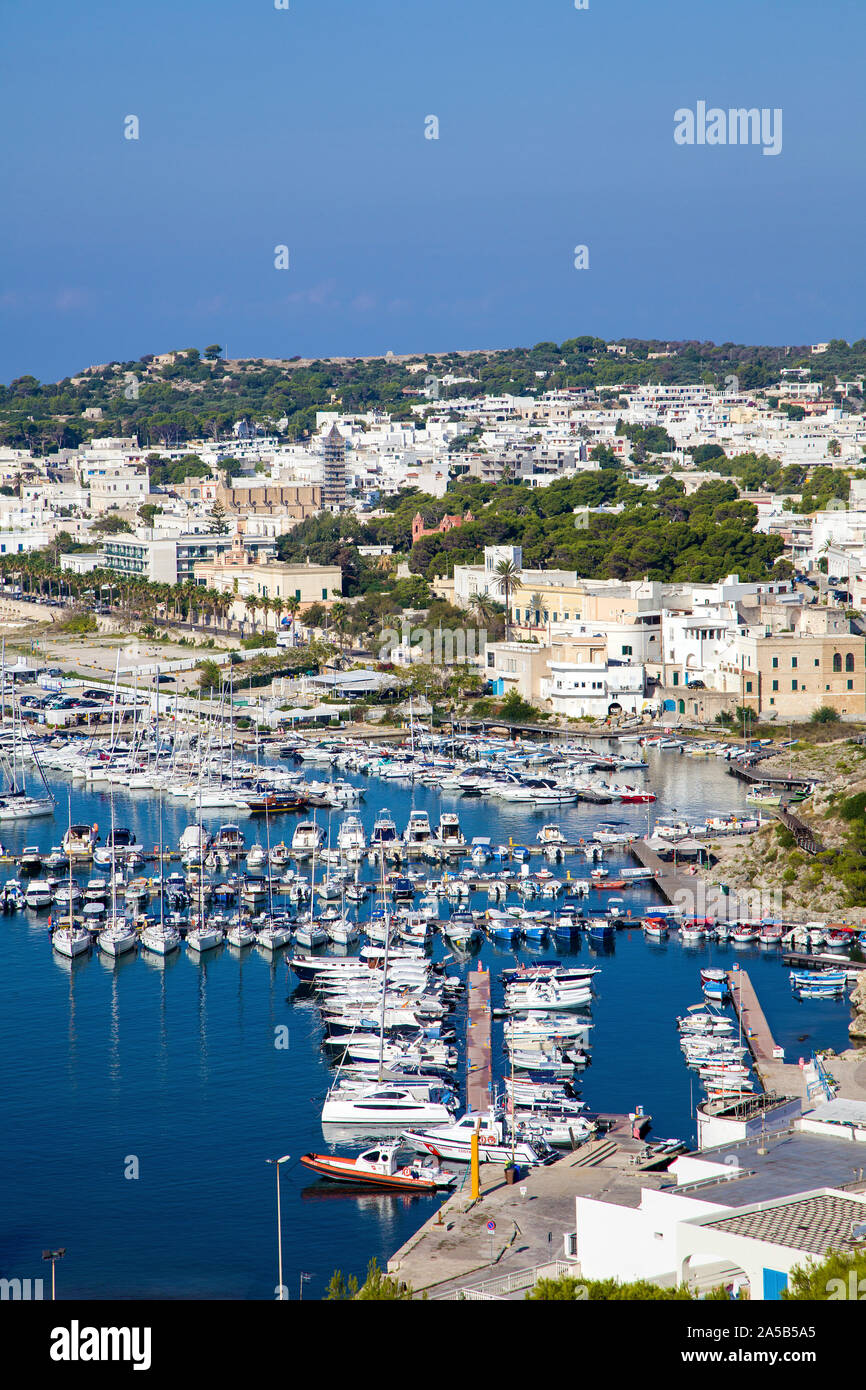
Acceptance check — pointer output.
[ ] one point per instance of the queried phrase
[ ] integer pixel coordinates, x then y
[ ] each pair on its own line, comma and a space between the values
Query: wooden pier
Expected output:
683, 889
479, 1073
774, 1073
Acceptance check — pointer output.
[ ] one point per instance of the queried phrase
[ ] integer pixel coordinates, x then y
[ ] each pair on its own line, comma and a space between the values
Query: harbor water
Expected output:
140, 1098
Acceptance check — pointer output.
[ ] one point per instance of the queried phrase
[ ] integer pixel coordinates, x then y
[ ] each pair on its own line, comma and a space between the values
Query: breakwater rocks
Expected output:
857, 1027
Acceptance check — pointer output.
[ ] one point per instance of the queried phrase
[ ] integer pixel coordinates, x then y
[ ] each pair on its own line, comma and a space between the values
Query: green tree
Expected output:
378, 1286
841, 1275
507, 574
826, 714
209, 676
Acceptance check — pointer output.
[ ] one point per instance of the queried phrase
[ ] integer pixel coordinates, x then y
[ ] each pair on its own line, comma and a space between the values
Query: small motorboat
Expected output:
379, 1167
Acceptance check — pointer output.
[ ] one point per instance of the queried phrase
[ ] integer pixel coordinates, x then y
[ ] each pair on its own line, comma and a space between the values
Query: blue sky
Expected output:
305, 127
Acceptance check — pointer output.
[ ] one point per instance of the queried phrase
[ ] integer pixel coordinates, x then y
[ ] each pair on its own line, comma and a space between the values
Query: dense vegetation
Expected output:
201, 395
661, 534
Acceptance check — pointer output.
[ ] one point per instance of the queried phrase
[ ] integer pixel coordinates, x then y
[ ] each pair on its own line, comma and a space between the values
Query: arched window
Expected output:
849, 662
837, 662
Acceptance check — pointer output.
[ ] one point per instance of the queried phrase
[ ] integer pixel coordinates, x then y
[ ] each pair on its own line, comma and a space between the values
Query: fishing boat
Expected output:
379, 1167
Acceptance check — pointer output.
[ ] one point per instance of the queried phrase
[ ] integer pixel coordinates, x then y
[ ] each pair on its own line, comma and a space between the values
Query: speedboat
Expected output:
379, 1167
495, 1143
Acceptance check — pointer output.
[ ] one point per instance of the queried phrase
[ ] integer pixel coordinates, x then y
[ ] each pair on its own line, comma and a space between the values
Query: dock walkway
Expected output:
479, 1073
774, 1074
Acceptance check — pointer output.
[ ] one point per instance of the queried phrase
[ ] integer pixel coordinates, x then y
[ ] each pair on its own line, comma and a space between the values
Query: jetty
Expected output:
774, 1073
479, 1068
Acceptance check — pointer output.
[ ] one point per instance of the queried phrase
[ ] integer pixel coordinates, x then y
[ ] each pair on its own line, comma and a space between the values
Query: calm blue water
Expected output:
174, 1063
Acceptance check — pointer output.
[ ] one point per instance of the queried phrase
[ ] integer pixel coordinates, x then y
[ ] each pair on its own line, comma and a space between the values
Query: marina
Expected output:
222, 1046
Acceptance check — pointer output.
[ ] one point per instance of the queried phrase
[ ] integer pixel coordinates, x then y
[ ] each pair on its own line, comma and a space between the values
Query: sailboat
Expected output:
15, 804
160, 938
381, 1104
119, 935
70, 940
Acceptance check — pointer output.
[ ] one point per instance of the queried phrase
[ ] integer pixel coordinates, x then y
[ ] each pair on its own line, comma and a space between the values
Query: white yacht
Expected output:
449, 835
308, 838
160, 939
271, 938
377, 1105
351, 841
454, 1141
240, 934
70, 941
384, 832
117, 937
79, 841
418, 830
203, 938
38, 894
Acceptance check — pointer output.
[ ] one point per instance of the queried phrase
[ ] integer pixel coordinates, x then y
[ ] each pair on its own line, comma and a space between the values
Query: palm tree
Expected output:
536, 601
507, 578
251, 603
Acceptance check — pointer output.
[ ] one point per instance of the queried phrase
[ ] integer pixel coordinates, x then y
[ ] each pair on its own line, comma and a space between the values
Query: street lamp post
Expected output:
276, 1162
53, 1256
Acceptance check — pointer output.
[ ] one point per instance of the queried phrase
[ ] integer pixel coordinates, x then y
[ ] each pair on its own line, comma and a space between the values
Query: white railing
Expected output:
492, 1289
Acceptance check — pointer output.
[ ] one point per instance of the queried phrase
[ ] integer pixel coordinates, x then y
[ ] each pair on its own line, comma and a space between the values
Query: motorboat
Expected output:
384, 832
79, 840
388, 1105
274, 936
39, 894
380, 1167
31, 859
309, 837
418, 830
351, 840
495, 1142
448, 833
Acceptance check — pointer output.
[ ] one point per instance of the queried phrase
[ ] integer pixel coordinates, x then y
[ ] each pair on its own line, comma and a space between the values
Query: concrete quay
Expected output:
532, 1218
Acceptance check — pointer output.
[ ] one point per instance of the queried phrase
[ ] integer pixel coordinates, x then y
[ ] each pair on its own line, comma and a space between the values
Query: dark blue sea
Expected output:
174, 1064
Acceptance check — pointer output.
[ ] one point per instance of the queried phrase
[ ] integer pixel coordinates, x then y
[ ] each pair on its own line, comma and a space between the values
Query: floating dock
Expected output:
479, 1070
774, 1073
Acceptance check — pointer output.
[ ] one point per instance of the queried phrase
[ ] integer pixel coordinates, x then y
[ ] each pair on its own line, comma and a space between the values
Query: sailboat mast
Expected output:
384, 972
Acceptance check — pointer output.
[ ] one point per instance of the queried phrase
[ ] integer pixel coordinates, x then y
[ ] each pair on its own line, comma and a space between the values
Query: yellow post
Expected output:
475, 1168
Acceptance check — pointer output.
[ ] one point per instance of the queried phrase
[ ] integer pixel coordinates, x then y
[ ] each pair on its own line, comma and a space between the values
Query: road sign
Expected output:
491, 1226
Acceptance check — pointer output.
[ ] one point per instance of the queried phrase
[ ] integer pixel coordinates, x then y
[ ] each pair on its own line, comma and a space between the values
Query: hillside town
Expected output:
217, 513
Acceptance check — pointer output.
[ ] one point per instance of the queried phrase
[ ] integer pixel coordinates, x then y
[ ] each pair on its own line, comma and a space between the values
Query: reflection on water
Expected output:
180, 1054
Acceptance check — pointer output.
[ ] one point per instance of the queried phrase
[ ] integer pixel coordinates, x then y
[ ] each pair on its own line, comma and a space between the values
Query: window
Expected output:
676, 677
849, 663
850, 685
775, 662
793, 663
772, 701
324, 593
817, 661
297, 593
775, 685
837, 662
749, 687
793, 685
626, 651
